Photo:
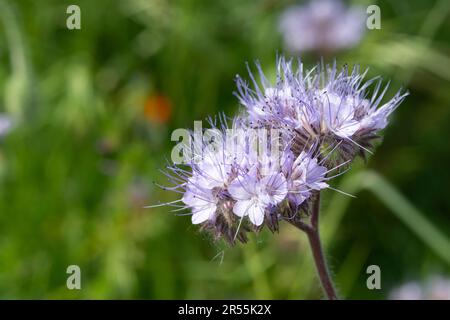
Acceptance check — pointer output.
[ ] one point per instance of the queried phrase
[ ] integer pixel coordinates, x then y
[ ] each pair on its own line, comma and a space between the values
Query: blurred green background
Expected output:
92, 113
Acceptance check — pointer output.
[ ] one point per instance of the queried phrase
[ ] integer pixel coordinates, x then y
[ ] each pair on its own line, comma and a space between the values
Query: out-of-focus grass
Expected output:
78, 167
408, 214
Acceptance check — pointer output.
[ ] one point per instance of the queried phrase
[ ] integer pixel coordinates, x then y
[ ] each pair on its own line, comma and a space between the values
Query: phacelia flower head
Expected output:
255, 182
271, 163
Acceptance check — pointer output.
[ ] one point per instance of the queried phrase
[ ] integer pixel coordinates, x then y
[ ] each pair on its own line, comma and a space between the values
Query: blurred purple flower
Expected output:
5, 125
435, 288
322, 26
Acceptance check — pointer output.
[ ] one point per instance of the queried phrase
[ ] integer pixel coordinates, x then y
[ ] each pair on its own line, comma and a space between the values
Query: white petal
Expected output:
347, 129
203, 215
215, 175
243, 187
256, 214
377, 120
189, 198
196, 197
241, 208
318, 185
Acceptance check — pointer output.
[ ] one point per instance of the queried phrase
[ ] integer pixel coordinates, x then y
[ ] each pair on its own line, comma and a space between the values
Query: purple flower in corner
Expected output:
322, 26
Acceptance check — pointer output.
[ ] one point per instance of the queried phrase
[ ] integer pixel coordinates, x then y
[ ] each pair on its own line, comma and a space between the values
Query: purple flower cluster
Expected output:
272, 161
324, 105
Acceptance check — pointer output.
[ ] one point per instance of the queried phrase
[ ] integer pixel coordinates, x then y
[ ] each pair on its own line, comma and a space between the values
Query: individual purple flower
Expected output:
205, 188
265, 101
202, 202
304, 176
337, 114
322, 26
345, 98
254, 194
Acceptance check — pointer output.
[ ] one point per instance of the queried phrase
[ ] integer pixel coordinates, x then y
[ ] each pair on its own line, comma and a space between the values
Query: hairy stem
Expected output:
321, 266
312, 231
317, 251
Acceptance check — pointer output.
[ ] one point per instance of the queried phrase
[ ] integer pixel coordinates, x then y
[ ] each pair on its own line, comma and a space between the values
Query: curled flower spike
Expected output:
323, 104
